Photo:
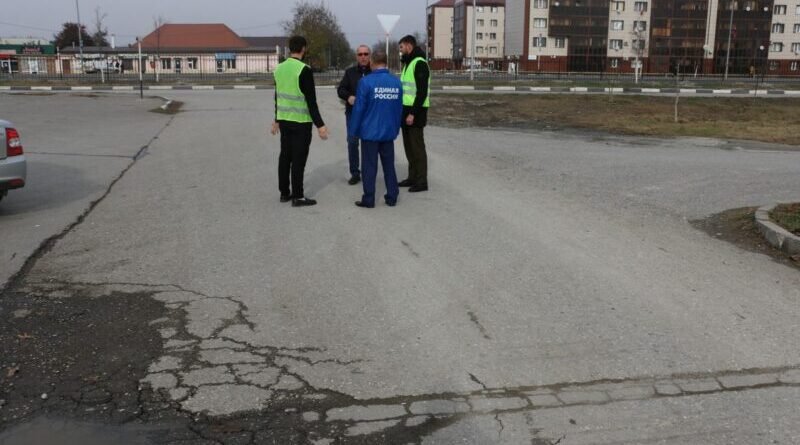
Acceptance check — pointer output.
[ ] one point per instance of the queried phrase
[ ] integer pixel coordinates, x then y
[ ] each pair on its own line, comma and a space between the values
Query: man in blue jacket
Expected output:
376, 119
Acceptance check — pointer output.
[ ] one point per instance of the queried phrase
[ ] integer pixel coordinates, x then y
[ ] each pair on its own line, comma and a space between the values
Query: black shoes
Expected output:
418, 188
286, 198
354, 180
405, 183
364, 205
303, 202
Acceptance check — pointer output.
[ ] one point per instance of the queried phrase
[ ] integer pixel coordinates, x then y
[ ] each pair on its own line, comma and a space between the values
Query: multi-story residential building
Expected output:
688, 36
440, 34
489, 33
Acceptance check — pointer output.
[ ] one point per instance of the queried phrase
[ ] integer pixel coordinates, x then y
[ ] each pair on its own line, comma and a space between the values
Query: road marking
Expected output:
122, 88
202, 87
458, 87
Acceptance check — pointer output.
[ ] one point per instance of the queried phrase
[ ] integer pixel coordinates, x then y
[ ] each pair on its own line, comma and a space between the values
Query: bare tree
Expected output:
158, 22
100, 35
327, 44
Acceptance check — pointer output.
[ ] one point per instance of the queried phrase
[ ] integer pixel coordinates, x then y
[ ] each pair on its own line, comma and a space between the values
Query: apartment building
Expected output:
440, 34
687, 36
488, 33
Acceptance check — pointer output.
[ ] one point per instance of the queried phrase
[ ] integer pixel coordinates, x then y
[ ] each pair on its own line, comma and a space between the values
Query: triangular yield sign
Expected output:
388, 21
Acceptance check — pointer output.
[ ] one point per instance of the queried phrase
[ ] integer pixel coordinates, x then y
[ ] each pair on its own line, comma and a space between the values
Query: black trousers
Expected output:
414, 144
295, 143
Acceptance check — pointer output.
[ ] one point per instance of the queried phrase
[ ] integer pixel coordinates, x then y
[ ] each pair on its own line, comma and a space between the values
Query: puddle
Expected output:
47, 431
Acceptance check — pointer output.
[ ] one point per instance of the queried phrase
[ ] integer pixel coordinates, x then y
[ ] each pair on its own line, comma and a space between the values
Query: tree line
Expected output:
327, 44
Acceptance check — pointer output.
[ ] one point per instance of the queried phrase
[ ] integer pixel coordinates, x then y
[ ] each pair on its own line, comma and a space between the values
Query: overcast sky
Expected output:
128, 19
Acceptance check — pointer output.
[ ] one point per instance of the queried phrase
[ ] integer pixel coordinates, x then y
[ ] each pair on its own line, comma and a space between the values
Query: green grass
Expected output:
788, 217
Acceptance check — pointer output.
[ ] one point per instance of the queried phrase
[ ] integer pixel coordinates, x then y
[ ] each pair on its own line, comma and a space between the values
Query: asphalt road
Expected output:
548, 286
74, 149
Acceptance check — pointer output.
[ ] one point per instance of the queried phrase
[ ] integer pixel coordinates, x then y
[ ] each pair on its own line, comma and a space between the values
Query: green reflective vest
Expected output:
410, 85
291, 103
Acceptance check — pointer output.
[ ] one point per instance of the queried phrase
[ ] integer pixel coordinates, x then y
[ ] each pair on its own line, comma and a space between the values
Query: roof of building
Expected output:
266, 42
191, 35
444, 4
483, 2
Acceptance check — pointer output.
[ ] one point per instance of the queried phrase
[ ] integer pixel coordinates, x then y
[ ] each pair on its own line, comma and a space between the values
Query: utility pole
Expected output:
473, 33
80, 34
141, 68
730, 29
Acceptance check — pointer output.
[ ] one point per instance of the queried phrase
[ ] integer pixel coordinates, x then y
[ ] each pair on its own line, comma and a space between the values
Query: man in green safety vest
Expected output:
295, 111
416, 80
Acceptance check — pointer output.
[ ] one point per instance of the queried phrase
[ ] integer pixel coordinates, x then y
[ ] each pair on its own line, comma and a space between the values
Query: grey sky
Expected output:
127, 19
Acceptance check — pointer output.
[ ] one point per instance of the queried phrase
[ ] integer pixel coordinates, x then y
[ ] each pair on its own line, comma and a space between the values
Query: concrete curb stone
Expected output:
776, 235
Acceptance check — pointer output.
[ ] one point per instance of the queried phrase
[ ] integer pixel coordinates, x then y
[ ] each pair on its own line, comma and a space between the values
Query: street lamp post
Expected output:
141, 69
80, 34
474, 32
730, 29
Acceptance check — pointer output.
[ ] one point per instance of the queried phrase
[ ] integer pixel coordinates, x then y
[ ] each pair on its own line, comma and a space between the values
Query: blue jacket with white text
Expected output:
378, 110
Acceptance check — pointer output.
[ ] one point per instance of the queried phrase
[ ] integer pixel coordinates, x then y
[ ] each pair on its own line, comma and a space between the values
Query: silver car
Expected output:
13, 166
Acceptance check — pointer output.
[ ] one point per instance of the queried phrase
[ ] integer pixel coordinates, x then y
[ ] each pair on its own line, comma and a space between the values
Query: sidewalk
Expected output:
446, 88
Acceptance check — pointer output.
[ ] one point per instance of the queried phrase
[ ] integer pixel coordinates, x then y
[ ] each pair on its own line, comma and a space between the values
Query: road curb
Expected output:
443, 88
776, 235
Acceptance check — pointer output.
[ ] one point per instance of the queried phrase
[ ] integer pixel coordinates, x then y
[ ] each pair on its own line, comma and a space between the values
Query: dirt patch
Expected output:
787, 216
738, 227
766, 120
170, 107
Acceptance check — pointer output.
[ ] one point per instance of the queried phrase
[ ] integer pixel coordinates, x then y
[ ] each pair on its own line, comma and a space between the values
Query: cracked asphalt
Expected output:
547, 289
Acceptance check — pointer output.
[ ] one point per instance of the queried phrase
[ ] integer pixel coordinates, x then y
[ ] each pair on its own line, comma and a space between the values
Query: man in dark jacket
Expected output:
416, 77
296, 110
376, 120
347, 92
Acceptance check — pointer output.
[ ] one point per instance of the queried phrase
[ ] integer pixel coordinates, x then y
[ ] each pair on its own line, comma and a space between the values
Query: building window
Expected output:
796, 48
540, 4
615, 44
640, 26
796, 28
492, 36
640, 6
191, 63
540, 23
639, 43
618, 6
560, 42
774, 65
479, 22
797, 10
478, 36
492, 50
480, 9
778, 28
776, 47
166, 64
793, 65
493, 23
540, 42
614, 63
617, 25
478, 50
780, 10
494, 9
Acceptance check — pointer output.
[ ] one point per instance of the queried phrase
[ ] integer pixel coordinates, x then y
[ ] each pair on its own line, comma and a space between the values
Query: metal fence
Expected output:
123, 69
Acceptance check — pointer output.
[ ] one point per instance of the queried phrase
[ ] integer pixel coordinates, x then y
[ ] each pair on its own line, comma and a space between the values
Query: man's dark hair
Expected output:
297, 43
409, 39
379, 58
